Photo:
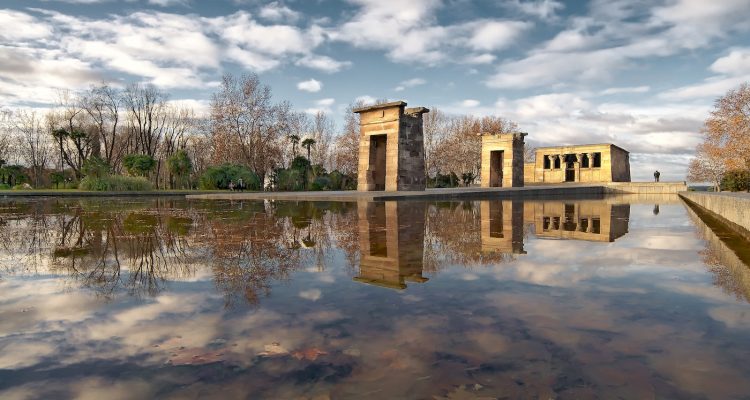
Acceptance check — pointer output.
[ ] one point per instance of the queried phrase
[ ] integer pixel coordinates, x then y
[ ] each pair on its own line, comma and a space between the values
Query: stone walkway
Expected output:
536, 191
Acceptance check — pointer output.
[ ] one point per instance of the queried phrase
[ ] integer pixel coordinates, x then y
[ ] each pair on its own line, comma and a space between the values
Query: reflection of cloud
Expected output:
20, 354
733, 316
312, 294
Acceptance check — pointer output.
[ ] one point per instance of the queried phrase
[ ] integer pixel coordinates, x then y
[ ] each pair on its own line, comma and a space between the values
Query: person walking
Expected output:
657, 174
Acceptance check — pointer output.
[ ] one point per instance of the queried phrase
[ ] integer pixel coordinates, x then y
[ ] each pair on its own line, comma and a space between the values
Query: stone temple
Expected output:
391, 148
391, 155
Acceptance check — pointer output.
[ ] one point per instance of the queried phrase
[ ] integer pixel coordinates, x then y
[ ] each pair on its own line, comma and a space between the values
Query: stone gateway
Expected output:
391, 148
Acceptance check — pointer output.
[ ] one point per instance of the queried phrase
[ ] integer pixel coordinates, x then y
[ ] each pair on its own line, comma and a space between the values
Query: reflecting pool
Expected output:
628, 297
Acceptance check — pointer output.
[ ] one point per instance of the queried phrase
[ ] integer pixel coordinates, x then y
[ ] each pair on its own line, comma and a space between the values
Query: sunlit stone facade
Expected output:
581, 163
391, 148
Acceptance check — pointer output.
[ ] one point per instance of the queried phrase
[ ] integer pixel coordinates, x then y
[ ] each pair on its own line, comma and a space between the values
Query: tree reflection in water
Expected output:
139, 246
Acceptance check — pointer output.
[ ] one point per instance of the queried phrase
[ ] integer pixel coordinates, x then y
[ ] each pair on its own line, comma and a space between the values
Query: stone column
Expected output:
579, 160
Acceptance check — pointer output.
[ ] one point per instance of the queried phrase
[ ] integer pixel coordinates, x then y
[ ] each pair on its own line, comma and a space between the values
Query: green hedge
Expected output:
115, 183
736, 181
218, 177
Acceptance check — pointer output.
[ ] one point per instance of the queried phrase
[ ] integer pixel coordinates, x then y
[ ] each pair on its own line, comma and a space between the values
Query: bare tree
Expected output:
247, 124
709, 165
322, 133
435, 130
103, 105
34, 143
346, 145
146, 107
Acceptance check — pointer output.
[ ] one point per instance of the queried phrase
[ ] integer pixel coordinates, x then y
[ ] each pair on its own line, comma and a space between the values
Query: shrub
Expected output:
4, 186
139, 164
180, 165
57, 178
218, 177
291, 179
95, 167
736, 180
115, 183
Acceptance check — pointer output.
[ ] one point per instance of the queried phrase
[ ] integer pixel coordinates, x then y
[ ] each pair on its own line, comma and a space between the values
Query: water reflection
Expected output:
391, 236
171, 299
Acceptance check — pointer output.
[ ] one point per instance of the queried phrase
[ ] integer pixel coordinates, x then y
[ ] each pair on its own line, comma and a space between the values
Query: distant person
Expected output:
240, 185
656, 209
657, 174
231, 186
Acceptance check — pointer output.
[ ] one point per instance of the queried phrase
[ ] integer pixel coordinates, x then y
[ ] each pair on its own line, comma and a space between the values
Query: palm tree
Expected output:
295, 140
308, 144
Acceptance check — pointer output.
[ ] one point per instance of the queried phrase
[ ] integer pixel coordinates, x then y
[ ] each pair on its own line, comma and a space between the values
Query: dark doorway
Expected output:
570, 168
496, 219
496, 168
378, 232
378, 145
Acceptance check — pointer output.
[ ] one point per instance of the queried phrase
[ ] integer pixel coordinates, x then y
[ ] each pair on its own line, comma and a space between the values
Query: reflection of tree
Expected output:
727, 254
453, 237
249, 253
133, 250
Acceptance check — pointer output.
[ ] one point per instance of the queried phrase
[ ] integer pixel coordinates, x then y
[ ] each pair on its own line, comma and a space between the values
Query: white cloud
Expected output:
322, 105
736, 63
593, 48
470, 103
409, 83
323, 63
18, 26
410, 33
732, 69
310, 85
168, 3
311, 294
619, 90
278, 12
484, 58
365, 99
495, 35
543, 9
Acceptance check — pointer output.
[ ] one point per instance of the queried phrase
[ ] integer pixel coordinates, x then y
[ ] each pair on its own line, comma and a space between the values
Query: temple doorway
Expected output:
377, 167
496, 168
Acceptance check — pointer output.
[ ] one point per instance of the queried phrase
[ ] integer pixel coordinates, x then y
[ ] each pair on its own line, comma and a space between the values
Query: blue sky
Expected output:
640, 74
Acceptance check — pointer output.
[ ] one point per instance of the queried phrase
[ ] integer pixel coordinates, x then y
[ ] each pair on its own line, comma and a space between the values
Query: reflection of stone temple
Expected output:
502, 226
391, 236
592, 221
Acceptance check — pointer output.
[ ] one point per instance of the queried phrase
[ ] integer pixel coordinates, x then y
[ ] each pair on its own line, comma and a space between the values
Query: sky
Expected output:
639, 74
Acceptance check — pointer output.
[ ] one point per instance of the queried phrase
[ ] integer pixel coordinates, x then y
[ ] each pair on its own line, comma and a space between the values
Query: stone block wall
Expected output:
511, 166
404, 166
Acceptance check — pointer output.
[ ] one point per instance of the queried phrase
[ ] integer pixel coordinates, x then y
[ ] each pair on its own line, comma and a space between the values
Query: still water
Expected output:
624, 297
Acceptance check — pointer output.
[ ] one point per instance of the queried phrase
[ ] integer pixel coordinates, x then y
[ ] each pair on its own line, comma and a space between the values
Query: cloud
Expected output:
409, 83
614, 36
469, 103
495, 35
542, 9
731, 70
311, 294
19, 26
169, 3
619, 90
278, 12
410, 33
323, 63
322, 105
310, 85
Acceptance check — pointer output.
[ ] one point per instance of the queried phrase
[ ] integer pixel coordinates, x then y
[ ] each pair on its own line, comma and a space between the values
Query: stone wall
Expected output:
401, 166
732, 208
508, 147
614, 166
